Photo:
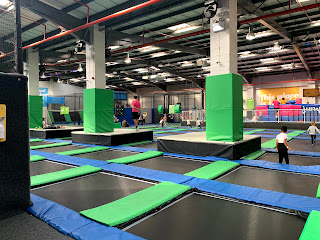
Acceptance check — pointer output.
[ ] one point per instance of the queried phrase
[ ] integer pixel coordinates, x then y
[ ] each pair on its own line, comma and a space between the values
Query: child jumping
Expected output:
189, 123
198, 122
161, 122
282, 145
312, 131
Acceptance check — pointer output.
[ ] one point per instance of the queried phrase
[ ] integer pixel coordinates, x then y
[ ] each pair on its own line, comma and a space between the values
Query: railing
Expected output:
193, 115
305, 115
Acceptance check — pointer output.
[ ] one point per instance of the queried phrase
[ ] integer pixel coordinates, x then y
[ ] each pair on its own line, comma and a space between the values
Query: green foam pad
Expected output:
247, 133
295, 133
272, 143
136, 143
134, 205
62, 175
258, 130
83, 150
180, 129
318, 192
51, 116
65, 138
159, 132
213, 170
311, 230
117, 125
137, 157
68, 118
36, 140
36, 158
50, 145
254, 155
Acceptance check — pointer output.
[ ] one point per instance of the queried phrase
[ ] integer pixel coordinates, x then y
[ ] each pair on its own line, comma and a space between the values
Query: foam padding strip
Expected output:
213, 170
137, 157
177, 130
301, 153
258, 130
83, 150
136, 143
150, 174
282, 167
248, 133
36, 158
160, 132
295, 133
131, 149
72, 223
207, 158
272, 143
134, 205
311, 230
318, 192
77, 161
254, 155
261, 196
68, 118
62, 175
36, 140
50, 145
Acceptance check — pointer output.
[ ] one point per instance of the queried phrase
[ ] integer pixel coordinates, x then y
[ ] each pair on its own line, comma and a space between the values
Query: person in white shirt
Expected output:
189, 123
198, 123
161, 122
282, 145
312, 130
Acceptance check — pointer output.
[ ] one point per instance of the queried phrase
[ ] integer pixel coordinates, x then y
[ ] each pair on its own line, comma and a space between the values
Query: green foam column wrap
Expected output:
98, 110
160, 109
224, 108
177, 108
171, 109
35, 111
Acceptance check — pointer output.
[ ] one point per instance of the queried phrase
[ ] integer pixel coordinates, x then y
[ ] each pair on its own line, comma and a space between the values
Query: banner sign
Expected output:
250, 103
56, 100
44, 93
267, 95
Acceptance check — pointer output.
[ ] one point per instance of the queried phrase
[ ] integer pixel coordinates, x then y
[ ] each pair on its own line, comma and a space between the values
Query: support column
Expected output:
35, 101
97, 101
224, 101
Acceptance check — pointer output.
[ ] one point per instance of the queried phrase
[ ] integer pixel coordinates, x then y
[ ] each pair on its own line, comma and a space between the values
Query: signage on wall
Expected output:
44, 93
267, 95
314, 92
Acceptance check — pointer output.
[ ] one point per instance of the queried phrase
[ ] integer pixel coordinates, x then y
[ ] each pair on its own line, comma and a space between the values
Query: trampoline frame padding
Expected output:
53, 133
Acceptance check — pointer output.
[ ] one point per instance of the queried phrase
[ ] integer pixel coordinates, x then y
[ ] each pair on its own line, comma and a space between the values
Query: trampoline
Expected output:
39, 143
21, 225
105, 155
42, 167
279, 181
153, 145
170, 164
304, 145
294, 159
91, 190
199, 216
61, 148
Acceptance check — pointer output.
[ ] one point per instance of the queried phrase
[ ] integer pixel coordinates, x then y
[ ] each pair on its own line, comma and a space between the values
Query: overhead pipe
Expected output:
88, 9
90, 24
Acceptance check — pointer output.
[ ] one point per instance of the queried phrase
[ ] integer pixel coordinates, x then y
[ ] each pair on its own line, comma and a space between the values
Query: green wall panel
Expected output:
35, 111
224, 108
98, 110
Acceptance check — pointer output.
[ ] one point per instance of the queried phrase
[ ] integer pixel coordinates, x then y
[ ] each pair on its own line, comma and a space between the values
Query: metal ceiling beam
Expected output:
56, 16
115, 36
278, 29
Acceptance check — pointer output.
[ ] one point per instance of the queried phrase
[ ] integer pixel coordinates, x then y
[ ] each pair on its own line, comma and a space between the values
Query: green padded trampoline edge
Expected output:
318, 193
134, 205
136, 143
36, 140
62, 175
83, 150
311, 230
212, 170
254, 155
137, 157
50, 145
35, 158
248, 133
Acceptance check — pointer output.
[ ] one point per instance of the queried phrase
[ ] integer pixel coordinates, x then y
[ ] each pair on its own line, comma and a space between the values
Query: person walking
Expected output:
312, 130
135, 110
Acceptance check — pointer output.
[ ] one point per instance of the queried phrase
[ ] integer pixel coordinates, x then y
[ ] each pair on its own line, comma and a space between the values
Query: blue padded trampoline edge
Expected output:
71, 223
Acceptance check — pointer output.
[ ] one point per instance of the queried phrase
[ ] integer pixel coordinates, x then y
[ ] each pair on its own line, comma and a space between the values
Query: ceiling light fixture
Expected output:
148, 49
316, 23
114, 47
80, 69
277, 46
141, 70
186, 64
218, 26
128, 59
184, 27
158, 54
43, 76
263, 69
250, 36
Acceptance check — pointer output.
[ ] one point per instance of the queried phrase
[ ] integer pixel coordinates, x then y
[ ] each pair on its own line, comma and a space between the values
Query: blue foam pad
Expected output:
302, 138
301, 153
282, 167
56, 140
131, 149
72, 223
271, 198
69, 159
155, 175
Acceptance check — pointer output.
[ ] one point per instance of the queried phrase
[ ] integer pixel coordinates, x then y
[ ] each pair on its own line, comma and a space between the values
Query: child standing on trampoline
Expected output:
282, 145
312, 130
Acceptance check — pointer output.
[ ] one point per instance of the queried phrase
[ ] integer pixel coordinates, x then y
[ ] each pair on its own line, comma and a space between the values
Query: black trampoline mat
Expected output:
201, 217
106, 155
304, 145
168, 164
90, 191
285, 182
21, 225
61, 148
39, 143
293, 159
42, 167
152, 145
